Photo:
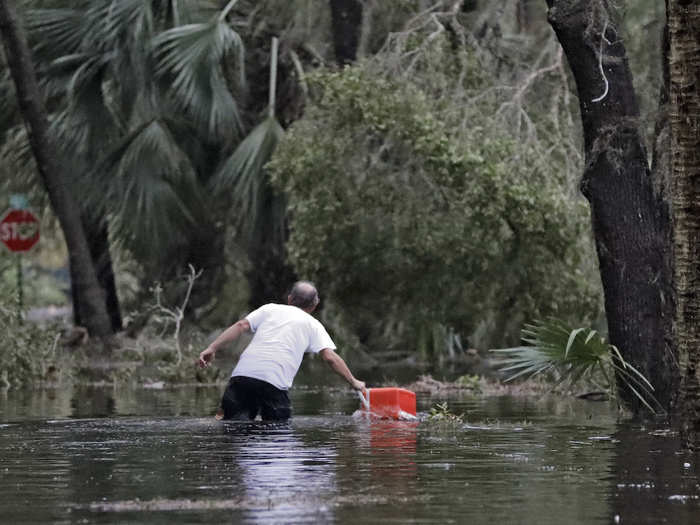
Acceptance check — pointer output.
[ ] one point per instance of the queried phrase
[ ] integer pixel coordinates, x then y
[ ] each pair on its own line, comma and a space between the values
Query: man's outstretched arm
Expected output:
339, 367
230, 334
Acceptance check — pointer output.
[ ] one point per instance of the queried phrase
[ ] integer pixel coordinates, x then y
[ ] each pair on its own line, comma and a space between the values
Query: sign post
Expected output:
19, 231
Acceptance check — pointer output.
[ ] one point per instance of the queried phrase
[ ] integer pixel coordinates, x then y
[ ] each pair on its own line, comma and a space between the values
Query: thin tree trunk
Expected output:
684, 116
628, 218
92, 306
346, 18
270, 277
98, 242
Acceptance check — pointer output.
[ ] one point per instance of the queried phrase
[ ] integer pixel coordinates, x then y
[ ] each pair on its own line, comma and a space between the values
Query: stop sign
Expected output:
19, 230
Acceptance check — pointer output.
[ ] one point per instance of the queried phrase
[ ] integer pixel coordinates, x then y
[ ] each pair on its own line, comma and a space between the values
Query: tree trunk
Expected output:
92, 307
629, 224
661, 181
684, 116
205, 252
98, 243
270, 277
347, 23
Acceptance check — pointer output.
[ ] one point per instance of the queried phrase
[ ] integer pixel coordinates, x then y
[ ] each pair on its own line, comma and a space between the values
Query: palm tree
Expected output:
147, 105
92, 308
261, 219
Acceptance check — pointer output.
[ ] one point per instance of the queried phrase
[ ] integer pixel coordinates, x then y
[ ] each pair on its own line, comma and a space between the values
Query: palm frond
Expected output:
575, 354
16, 154
191, 55
134, 18
9, 112
242, 173
56, 32
181, 12
152, 192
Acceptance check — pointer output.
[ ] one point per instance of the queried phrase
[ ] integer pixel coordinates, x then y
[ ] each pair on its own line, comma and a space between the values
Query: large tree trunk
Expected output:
661, 181
92, 305
684, 116
629, 223
347, 23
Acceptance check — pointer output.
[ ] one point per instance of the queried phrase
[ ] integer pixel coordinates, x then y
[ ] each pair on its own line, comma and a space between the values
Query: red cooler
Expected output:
392, 403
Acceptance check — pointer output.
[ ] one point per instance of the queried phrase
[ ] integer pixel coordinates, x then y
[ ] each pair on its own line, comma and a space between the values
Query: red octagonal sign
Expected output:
19, 230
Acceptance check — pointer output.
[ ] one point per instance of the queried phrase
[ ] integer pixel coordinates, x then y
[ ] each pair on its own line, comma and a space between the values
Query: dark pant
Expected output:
246, 396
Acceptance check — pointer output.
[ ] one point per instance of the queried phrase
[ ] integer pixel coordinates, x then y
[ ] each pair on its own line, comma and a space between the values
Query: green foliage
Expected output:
192, 55
28, 354
408, 228
470, 382
242, 175
573, 355
441, 413
146, 107
186, 371
39, 286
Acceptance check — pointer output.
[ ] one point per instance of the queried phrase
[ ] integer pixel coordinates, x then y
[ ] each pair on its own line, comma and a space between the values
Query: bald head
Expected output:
303, 295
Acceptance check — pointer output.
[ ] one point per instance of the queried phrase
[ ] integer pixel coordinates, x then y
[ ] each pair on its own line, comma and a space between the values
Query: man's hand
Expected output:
206, 357
359, 385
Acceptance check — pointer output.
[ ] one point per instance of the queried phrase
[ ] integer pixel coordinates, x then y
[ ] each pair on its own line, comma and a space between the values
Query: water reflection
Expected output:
655, 480
279, 473
393, 450
140, 456
105, 401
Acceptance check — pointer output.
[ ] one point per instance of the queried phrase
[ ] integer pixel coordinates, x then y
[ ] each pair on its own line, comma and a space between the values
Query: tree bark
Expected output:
270, 277
98, 243
661, 181
346, 18
629, 224
92, 307
684, 117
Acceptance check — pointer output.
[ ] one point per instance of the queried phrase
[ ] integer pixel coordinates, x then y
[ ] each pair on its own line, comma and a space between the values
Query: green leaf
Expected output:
190, 57
552, 345
242, 174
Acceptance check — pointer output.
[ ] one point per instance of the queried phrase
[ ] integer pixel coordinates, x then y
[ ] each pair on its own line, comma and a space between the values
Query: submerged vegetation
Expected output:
441, 413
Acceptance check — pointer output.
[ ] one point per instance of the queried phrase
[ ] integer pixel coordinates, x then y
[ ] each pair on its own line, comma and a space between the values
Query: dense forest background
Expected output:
419, 159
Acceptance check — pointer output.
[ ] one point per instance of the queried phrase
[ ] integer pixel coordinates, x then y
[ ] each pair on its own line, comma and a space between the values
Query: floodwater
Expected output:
104, 455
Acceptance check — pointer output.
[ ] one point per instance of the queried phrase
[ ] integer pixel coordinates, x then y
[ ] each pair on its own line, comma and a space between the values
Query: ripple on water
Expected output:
327, 466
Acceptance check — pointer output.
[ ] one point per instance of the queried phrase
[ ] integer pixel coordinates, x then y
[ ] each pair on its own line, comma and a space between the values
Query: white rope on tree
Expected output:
603, 40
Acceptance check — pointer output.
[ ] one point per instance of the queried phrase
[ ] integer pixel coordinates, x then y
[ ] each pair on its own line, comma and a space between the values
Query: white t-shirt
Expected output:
283, 334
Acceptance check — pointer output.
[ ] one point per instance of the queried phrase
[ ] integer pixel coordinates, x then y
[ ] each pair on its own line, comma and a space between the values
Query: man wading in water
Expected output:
266, 369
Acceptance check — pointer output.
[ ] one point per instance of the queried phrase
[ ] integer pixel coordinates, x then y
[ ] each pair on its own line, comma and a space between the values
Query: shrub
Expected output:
29, 354
406, 229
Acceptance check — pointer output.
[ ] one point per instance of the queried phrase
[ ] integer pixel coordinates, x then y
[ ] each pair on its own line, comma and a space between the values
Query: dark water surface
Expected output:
157, 456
